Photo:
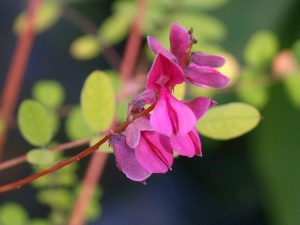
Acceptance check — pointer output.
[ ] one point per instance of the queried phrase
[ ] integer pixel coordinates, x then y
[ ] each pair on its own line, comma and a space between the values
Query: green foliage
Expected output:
205, 4
40, 156
179, 91
76, 126
104, 147
98, 101
12, 214
292, 84
228, 121
85, 47
39, 222
2, 126
47, 16
296, 49
252, 88
261, 49
59, 197
34, 123
50, 93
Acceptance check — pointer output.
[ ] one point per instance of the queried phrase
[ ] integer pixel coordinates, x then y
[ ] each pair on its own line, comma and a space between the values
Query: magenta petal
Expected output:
200, 106
205, 76
187, 145
170, 116
154, 152
126, 159
180, 42
138, 103
164, 73
156, 47
202, 59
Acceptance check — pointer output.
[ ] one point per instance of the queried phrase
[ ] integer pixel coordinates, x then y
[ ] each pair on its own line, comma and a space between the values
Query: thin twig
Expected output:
17, 68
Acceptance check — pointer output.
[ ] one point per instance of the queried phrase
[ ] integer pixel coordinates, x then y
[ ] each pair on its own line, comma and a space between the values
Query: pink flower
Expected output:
198, 67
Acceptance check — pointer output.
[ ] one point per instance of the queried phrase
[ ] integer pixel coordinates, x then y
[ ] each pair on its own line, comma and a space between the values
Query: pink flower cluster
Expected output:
148, 143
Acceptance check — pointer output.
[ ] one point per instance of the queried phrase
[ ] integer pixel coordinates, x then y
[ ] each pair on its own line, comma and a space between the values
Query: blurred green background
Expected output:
250, 180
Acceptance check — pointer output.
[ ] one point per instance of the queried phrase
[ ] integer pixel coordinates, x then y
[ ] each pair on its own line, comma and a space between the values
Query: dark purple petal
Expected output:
202, 59
205, 76
164, 73
180, 43
138, 103
154, 152
171, 116
156, 48
126, 159
200, 106
188, 145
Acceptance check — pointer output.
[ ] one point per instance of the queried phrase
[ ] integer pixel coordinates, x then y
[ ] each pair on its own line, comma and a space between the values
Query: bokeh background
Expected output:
250, 180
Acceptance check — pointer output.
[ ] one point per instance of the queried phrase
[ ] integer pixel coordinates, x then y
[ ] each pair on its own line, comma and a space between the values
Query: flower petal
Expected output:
138, 103
154, 152
187, 145
164, 73
156, 48
180, 43
205, 76
126, 159
200, 106
202, 59
170, 116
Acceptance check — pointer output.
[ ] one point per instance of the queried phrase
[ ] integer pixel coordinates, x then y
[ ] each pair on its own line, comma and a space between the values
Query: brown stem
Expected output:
17, 68
18, 160
87, 26
83, 154
131, 52
92, 176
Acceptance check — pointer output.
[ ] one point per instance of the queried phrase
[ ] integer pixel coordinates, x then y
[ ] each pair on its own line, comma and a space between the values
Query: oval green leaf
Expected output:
85, 47
228, 121
98, 101
34, 123
261, 49
40, 156
50, 93
12, 213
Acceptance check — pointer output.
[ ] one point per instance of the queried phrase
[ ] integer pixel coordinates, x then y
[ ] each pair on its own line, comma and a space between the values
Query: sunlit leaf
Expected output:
76, 126
98, 101
61, 198
231, 68
85, 47
292, 84
104, 147
34, 123
50, 93
204, 4
228, 121
261, 48
122, 108
252, 88
47, 15
179, 91
12, 214
40, 156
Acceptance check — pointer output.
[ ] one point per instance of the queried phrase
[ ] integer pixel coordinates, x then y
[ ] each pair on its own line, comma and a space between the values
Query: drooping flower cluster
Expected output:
148, 143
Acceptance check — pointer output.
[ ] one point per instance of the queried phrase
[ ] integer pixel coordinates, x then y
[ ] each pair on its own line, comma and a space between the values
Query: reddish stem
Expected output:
17, 68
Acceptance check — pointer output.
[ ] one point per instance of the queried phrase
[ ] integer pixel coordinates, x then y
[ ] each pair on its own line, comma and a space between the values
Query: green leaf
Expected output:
204, 4
12, 214
104, 147
292, 84
228, 121
40, 156
34, 123
76, 126
85, 47
98, 101
2, 126
252, 89
179, 91
47, 16
261, 48
61, 198
39, 222
122, 108
296, 49
50, 93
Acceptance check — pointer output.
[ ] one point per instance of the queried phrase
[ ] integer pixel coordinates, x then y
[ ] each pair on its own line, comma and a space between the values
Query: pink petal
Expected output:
156, 48
202, 59
154, 152
134, 129
180, 41
170, 116
164, 73
187, 145
205, 76
200, 106
138, 103
126, 159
